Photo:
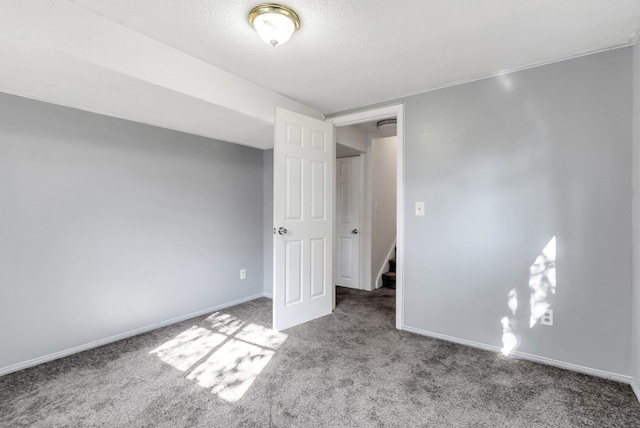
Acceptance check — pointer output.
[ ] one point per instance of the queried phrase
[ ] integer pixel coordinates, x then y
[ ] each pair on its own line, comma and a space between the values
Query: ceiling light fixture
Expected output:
387, 125
274, 23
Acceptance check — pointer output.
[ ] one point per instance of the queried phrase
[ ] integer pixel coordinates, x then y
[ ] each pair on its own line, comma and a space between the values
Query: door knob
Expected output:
354, 231
282, 231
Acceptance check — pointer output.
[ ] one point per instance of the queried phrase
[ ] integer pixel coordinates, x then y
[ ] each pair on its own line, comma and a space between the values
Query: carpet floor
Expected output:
349, 369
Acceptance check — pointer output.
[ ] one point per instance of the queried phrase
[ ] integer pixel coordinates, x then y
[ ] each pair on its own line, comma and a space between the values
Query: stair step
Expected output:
389, 280
392, 265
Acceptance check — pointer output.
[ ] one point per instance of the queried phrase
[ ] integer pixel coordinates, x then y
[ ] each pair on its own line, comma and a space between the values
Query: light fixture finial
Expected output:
274, 23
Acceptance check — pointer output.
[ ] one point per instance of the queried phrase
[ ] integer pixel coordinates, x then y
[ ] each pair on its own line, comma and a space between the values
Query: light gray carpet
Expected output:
349, 369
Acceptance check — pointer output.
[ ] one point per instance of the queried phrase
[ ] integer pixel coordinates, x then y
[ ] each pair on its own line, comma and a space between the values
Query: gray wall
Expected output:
503, 166
635, 328
107, 226
384, 159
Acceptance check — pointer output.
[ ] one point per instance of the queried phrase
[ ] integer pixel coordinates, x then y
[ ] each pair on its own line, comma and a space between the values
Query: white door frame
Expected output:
396, 110
365, 220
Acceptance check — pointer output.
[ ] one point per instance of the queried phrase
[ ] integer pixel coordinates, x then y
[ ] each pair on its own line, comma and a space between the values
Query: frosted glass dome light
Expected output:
274, 23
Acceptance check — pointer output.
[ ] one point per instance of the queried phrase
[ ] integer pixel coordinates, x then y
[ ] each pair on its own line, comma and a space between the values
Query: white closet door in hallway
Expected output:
348, 222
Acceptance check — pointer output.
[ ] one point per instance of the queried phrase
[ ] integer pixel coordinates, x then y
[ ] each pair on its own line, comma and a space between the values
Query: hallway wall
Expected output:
383, 207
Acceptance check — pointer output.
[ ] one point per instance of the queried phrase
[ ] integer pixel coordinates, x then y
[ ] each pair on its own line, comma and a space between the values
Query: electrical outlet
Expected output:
419, 208
547, 317
243, 274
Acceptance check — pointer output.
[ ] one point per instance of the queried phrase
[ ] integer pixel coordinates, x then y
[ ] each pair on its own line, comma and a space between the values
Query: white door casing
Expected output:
303, 198
370, 116
348, 222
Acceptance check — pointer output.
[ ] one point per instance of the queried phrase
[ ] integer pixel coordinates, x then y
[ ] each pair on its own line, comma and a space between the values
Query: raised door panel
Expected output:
318, 191
293, 272
318, 267
293, 189
345, 270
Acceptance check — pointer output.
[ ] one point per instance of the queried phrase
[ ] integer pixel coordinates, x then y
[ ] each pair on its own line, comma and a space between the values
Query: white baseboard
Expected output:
267, 295
64, 353
530, 357
636, 389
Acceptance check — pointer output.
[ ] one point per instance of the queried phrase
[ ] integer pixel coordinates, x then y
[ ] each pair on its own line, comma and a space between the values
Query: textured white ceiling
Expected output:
357, 52
347, 53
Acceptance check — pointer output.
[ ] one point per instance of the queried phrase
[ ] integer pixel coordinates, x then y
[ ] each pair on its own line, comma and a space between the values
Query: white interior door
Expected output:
348, 222
303, 195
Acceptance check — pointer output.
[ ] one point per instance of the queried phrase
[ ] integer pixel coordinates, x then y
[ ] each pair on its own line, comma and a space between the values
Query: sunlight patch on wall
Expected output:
226, 356
542, 284
512, 301
542, 281
509, 338
506, 81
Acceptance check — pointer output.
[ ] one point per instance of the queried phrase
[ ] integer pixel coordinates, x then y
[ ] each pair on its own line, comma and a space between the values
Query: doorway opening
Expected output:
376, 236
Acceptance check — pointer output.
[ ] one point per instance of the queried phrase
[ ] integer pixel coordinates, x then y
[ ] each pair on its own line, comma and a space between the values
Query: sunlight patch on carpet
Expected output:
189, 347
225, 357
